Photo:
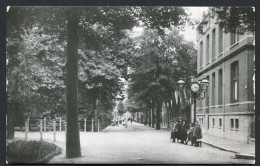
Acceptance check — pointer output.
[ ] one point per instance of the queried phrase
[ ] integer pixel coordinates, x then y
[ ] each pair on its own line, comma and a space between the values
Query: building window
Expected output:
232, 123
201, 121
213, 122
220, 122
207, 49
213, 43
201, 54
220, 86
234, 37
234, 81
220, 40
237, 124
213, 89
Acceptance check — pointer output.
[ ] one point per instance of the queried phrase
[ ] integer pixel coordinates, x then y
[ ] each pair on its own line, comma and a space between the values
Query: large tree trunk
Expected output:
73, 138
168, 115
146, 113
96, 114
153, 120
158, 111
149, 113
10, 120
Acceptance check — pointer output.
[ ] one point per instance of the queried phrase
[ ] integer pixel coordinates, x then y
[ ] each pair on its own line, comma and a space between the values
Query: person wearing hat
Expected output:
174, 130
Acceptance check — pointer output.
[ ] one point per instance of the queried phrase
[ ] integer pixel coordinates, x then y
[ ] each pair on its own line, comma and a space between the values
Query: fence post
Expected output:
26, 125
54, 130
85, 125
98, 125
60, 124
44, 124
41, 129
92, 126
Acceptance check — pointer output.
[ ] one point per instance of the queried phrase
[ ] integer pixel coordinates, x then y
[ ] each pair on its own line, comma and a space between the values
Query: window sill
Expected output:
234, 45
234, 129
234, 104
220, 54
216, 106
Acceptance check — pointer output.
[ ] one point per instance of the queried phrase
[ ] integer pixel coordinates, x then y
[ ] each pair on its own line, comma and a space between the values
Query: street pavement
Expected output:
136, 144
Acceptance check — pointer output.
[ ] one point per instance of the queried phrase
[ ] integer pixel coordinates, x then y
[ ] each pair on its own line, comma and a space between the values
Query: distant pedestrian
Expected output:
125, 123
131, 119
174, 130
197, 134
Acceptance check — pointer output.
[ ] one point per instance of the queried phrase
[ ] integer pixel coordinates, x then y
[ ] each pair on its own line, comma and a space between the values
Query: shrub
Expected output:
22, 151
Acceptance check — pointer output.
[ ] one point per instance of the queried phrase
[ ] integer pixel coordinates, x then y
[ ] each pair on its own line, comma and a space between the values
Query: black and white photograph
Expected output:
130, 85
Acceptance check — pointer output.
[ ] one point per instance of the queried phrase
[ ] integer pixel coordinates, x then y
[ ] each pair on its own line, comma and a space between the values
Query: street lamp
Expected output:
196, 88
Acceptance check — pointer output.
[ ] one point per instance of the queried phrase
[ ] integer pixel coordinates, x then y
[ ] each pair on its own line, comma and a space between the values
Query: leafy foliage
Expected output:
36, 46
235, 18
121, 108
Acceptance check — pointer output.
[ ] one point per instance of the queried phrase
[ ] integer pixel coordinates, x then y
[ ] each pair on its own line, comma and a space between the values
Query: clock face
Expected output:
195, 87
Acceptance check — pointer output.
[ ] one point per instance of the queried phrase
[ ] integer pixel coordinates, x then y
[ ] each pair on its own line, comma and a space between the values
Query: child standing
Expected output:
174, 130
197, 133
190, 134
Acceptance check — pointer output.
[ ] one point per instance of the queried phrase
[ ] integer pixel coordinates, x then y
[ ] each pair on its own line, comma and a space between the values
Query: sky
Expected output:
196, 13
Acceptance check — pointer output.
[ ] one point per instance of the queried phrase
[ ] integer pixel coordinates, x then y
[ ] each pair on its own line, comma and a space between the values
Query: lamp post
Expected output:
196, 88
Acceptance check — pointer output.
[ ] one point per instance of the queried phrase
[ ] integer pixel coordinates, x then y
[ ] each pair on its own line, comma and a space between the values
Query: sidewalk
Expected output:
241, 149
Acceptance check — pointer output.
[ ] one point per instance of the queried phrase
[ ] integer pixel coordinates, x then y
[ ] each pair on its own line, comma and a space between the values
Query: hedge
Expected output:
21, 151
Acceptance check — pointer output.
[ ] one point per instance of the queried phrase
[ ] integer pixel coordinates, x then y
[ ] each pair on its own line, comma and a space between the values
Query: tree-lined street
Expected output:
136, 144
89, 68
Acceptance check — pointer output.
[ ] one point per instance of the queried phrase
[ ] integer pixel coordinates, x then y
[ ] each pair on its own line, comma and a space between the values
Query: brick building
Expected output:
227, 61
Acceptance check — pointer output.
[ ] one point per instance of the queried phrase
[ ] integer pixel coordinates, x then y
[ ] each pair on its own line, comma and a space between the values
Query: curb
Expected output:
237, 155
221, 148
245, 156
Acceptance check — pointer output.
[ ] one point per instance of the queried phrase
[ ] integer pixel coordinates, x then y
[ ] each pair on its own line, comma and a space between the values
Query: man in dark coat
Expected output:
184, 131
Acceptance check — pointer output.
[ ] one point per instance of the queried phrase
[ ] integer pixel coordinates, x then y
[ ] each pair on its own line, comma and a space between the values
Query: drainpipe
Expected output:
223, 90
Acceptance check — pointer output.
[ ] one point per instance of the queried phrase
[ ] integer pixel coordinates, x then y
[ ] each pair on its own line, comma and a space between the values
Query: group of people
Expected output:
184, 133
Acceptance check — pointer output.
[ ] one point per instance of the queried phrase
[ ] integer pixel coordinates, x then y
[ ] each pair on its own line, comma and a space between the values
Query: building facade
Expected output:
227, 61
